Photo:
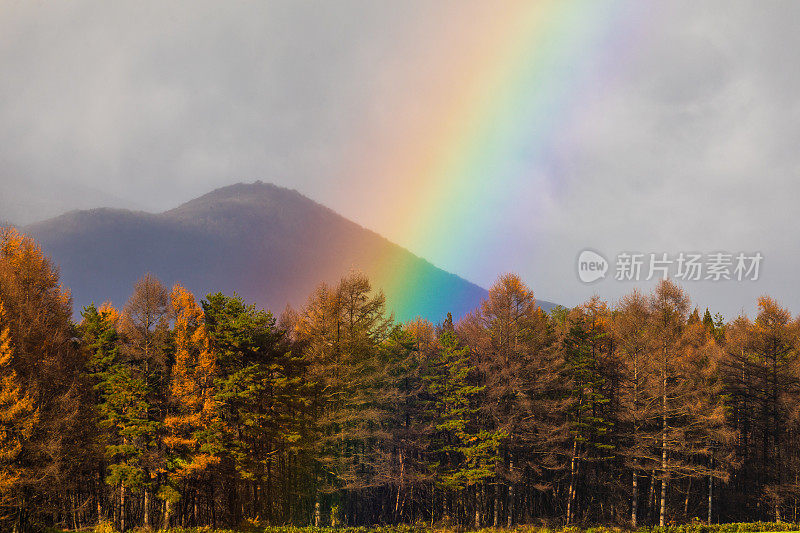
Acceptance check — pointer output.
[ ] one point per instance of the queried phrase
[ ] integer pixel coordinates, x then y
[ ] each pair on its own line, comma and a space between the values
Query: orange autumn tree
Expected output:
47, 366
18, 416
193, 424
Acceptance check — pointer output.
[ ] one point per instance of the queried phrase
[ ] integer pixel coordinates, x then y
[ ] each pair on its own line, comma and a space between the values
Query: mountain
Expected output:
271, 245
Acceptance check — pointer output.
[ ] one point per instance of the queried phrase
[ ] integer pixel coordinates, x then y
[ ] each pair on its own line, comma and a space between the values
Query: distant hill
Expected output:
271, 245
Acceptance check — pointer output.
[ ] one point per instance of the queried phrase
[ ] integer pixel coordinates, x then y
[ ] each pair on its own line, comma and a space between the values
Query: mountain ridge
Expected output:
270, 244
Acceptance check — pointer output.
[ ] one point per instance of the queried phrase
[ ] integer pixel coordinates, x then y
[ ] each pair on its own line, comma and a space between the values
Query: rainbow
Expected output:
516, 78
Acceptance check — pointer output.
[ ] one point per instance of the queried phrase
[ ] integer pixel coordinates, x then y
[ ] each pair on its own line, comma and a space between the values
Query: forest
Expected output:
183, 410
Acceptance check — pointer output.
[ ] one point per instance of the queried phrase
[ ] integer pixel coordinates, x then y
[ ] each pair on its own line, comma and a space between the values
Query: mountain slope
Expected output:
269, 244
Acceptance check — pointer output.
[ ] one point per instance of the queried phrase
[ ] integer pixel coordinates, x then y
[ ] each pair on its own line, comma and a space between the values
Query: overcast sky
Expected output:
691, 145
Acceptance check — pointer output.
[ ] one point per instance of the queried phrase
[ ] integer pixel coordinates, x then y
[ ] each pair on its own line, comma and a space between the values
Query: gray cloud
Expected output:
693, 149
180, 98
689, 142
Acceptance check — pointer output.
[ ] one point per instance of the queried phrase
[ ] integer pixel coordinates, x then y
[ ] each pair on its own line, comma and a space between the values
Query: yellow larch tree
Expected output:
193, 424
18, 417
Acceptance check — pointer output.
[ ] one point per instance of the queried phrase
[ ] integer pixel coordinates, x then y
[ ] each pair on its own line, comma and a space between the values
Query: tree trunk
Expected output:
146, 510
686, 501
663, 513
477, 508
635, 498
73, 499
99, 498
510, 520
496, 521
212, 504
710, 493
196, 508
122, 507
167, 513
99, 504
399, 487
635, 477
573, 472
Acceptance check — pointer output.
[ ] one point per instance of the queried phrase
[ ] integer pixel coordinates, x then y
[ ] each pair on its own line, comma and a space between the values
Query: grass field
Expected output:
739, 527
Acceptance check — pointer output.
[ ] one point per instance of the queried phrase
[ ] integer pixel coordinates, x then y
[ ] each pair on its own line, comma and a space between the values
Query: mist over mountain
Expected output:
27, 200
271, 245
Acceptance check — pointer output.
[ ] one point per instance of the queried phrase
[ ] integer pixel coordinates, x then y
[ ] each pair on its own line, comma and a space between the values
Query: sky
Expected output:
487, 137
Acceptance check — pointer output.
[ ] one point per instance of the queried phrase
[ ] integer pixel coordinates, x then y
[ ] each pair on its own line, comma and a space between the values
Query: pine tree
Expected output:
135, 396
718, 330
262, 401
100, 341
592, 371
708, 322
98, 331
124, 414
462, 453
410, 349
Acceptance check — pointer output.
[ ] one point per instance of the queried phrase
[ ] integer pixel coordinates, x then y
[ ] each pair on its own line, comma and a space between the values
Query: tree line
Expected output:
171, 411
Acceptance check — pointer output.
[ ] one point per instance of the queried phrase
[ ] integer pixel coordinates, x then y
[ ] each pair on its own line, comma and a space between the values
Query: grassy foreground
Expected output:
696, 527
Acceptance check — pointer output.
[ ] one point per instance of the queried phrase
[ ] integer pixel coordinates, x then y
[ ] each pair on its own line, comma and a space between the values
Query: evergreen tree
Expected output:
124, 414
411, 349
136, 399
262, 401
462, 453
708, 322
100, 341
592, 371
